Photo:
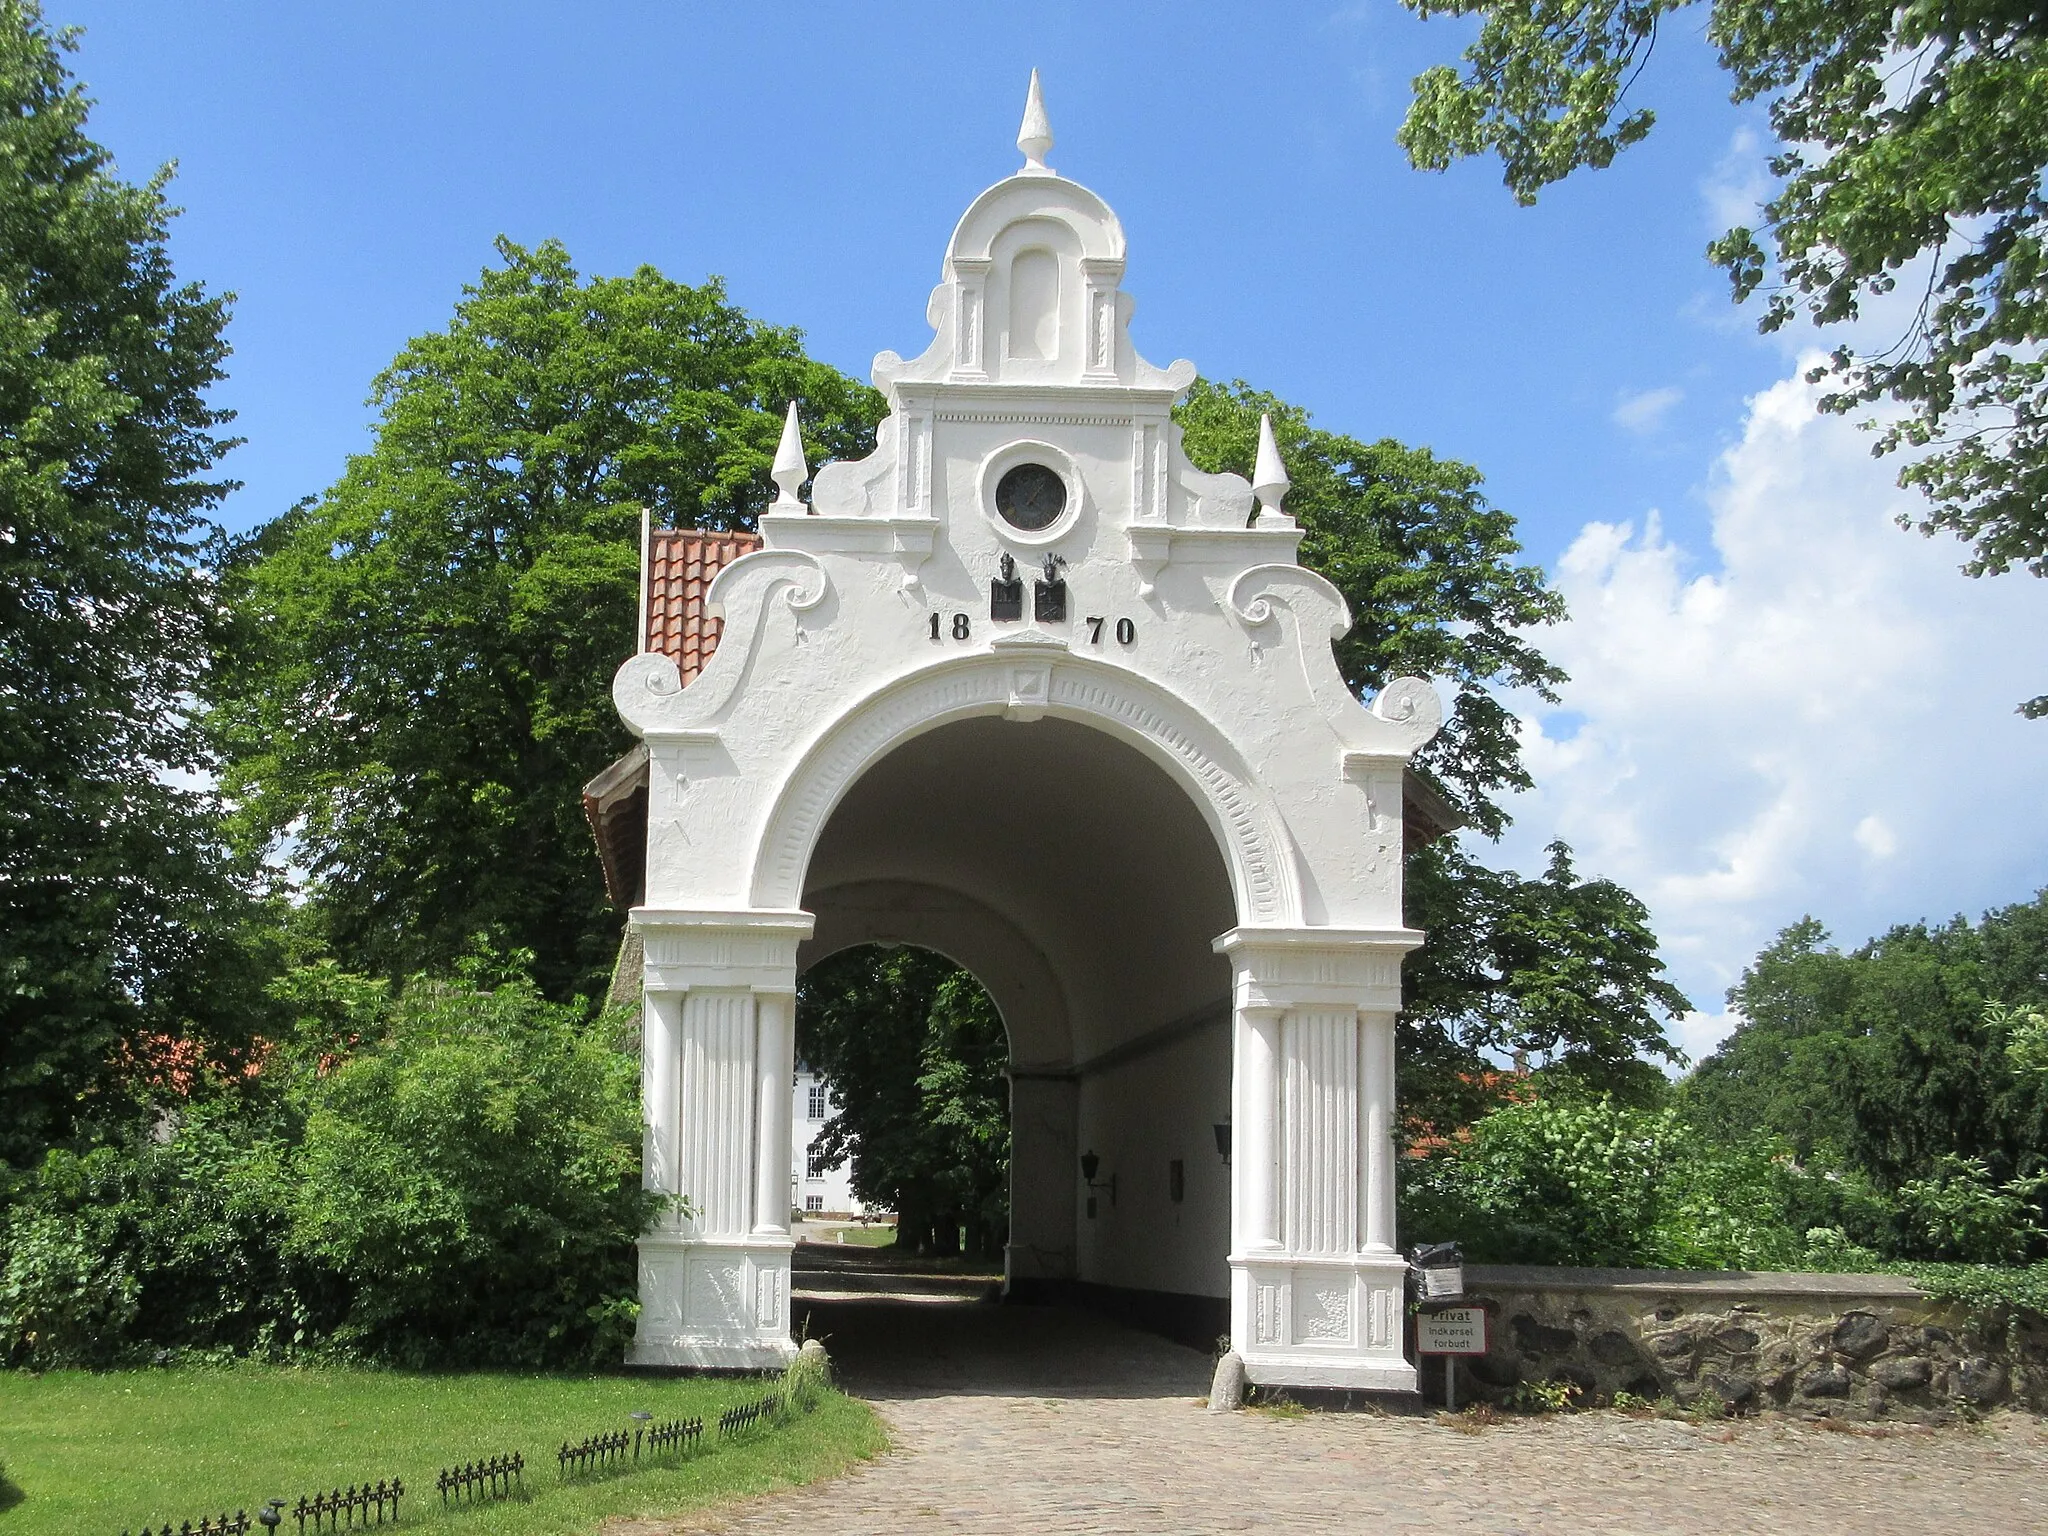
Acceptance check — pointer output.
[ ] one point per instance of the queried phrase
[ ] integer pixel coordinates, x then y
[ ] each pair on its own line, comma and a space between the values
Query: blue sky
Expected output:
344, 170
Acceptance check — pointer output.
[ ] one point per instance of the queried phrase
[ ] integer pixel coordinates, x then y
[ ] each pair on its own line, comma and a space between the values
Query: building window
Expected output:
814, 1165
817, 1101
814, 1202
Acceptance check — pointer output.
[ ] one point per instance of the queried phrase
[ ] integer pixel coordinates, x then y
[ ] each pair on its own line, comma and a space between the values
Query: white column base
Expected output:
713, 1303
1321, 1320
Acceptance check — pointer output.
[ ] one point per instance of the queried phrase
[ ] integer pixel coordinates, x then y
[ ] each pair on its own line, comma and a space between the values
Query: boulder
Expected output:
1860, 1334
1669, 1346
1534, 1338
1614, 1348
1904, 1375
1980, 1381
1827, 1380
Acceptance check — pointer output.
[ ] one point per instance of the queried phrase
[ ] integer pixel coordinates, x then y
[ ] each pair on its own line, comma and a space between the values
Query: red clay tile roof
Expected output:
680, 565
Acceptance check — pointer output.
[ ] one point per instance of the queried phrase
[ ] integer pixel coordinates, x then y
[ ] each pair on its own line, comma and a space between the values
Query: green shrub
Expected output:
1959, 1214
64, 1299
451, 1176
1595, 1183
473, 1180
172, 1242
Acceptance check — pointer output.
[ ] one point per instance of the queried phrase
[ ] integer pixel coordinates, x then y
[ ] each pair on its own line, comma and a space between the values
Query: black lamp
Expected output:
1223, 1141
1090, 1165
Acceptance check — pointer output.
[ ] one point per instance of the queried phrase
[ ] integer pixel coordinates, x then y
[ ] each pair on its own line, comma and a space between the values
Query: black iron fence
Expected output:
595, 1454
352, 1509
667, 1438
497, 1477
220, 1525
736, 1421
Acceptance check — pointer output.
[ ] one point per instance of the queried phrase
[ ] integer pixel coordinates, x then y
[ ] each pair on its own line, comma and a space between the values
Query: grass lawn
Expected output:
84, 1453
859, 1236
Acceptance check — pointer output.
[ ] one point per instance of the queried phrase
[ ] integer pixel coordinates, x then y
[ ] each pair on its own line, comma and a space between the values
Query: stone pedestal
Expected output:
1317, 1288
718, 1049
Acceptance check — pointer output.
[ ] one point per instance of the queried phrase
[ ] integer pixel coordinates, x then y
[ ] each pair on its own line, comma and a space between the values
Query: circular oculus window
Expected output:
1031, 497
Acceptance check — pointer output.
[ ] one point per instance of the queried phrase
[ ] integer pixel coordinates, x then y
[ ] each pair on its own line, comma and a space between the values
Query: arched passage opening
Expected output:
1083, 887
916, 1058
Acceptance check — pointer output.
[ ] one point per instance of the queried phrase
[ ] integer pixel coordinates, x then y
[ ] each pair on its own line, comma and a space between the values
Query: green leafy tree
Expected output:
1887, 1059
424, 654
916, 1054
1555, 967
119, 914
1907, 135
1559, 972
2026, 1034
1594, 1182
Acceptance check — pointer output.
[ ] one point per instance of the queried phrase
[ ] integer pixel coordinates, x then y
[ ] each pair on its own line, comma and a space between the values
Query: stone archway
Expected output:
1029, 551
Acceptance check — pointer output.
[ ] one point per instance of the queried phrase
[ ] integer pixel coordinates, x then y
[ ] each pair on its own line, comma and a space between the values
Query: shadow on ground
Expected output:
899, 1332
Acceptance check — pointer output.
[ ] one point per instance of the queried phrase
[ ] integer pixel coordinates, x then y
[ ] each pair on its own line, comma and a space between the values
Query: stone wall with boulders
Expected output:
1841, 1346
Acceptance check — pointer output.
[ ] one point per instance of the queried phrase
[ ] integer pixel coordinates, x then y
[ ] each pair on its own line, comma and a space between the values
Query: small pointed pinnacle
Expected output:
1269, 475
790, 470
1035, 137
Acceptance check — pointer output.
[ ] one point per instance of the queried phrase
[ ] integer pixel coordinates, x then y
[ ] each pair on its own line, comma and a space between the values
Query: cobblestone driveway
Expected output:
1029, 1420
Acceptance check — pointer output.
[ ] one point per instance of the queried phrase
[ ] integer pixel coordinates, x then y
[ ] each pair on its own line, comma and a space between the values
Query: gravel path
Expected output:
1017, 1419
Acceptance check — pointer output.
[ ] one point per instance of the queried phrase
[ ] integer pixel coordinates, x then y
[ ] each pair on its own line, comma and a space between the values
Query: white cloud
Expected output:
1823, 724
1645, 412
1736, 190
1876, 838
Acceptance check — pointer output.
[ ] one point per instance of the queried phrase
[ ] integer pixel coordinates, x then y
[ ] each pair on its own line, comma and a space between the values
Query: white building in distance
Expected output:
815, 1190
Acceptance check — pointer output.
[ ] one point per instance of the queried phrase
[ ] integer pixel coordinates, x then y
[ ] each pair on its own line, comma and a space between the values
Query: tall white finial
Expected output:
1035, 137
790, 470
1269, 475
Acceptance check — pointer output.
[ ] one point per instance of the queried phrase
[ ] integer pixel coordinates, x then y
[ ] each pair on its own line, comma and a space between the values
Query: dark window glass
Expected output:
1031, 497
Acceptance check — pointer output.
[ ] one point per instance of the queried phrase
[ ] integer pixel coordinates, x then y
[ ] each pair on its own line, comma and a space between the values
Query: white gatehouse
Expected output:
1027, 689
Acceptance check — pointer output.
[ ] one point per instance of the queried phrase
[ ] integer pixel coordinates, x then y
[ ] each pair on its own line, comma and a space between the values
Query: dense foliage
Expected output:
448, 1175
1893, 1055
1878, 1108
1910, 137
119, 913
916, 1053
1566, 1179
423, 659
1557, 968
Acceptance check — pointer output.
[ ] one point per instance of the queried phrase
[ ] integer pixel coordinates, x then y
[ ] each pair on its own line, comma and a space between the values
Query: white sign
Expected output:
1453, 1331
1441, 1280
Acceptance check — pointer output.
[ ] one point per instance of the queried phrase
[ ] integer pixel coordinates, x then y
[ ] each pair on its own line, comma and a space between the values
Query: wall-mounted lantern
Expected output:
1223, 1141
1090, 1166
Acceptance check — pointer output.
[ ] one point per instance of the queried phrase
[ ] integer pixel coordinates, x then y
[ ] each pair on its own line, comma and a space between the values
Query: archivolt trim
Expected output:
1247, 828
